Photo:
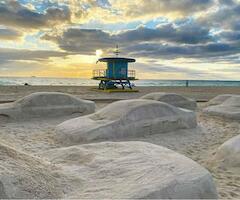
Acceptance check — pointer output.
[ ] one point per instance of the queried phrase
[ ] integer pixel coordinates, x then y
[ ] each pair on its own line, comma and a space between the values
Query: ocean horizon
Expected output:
5, 81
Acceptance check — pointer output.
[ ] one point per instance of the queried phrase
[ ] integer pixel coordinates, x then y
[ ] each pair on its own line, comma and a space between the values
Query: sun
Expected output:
99, 53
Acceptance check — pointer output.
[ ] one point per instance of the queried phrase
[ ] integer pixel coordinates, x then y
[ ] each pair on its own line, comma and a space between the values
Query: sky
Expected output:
170, 39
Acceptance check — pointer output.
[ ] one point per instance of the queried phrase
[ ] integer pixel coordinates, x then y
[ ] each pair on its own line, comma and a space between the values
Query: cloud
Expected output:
160, 8
24, 62
86, 41
233, 36
7, 54
204, 51
112, 11
159, 68
12, 13
207, 31
173, 40
189, 33
9, 34
16, 67
226, 2
225, 15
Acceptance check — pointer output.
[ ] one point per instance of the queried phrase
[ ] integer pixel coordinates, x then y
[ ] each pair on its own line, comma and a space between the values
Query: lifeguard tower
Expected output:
116, 74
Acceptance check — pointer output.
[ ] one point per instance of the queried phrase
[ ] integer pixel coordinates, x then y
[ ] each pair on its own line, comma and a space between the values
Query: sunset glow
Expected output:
99, 53
171, 39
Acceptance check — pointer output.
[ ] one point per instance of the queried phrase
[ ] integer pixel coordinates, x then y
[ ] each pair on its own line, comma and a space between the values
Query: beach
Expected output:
37, 135
11, 93
114, 99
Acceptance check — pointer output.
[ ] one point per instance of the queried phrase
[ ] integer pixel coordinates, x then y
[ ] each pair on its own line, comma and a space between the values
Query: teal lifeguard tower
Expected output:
117, 74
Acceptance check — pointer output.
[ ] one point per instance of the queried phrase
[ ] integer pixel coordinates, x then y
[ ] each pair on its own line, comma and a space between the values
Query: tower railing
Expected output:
102, 73
131, 73
99, 73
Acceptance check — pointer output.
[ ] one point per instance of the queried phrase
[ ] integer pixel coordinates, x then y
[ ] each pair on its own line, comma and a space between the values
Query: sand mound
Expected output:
24, 176
46, 104
227, 155
230, 108
219, 99
131, 170
173, 99
103, 170
232, 101
125, 119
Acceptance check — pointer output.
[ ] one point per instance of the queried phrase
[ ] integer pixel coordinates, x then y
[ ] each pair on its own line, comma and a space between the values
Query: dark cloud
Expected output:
212, 50
226, 2
189, 33
158, 68
17, 60
19, 67
168, 41
12, 13
9, 34
86, 41
233, 59
226, 16
28, 55
230, 36
236, 26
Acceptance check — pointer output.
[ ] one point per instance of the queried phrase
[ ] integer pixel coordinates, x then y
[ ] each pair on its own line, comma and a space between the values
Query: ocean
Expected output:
89, 82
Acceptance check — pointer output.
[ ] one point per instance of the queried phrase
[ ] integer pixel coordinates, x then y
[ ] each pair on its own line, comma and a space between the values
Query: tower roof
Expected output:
110, 59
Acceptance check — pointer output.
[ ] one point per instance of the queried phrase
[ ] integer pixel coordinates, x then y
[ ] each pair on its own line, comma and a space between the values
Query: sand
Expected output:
10, 93
47, 105
36, 136
107, 170
125, 119
227, 155
172, 99
228, 109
